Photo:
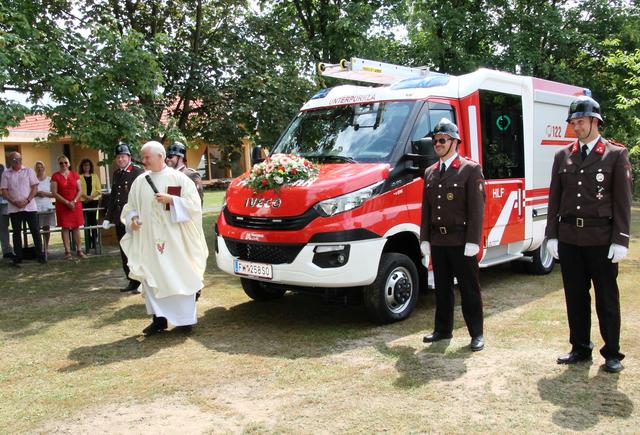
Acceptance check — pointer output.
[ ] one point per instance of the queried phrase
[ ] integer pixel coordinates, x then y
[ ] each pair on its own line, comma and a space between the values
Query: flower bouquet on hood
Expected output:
280, 170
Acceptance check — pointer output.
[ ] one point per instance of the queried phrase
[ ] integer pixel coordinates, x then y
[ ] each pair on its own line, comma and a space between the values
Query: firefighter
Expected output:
452, 213
176, 159
588, 231
122, 179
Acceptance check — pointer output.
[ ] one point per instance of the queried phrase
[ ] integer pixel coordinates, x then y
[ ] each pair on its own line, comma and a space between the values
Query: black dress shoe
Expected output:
573, 357
130, 287
477, 343
135, 292
612, 365
436, 336
159, 324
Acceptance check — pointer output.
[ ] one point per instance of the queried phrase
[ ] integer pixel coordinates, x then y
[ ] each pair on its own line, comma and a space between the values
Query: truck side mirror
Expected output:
423, 147
256, 155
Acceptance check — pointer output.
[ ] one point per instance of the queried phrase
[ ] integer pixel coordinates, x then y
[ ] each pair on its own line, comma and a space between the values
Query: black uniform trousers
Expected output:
449, 262
580, 266
121, 230
31, 218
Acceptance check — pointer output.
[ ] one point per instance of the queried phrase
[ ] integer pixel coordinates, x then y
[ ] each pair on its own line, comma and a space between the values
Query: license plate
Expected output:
249, 268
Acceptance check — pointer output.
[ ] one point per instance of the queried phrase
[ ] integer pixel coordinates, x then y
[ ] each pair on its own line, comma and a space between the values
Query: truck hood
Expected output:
332, 180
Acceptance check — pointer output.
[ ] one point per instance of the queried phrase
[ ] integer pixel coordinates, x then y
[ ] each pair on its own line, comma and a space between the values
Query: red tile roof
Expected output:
34, 123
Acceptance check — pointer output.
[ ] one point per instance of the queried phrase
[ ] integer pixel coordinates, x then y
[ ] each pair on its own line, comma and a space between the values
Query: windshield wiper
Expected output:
330, 157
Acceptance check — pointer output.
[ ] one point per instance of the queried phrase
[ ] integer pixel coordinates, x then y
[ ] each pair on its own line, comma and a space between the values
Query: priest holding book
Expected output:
165, 241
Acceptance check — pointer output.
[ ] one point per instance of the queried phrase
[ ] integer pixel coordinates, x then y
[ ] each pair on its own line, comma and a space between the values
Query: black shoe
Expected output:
477, 343
132, 286
184, 329
42, 259
135, 292
612, 365
436, 336
198, 295
573, 357
10, 255
159, 324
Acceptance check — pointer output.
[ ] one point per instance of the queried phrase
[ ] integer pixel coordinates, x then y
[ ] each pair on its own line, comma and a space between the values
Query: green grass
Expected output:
213, 198
73, 360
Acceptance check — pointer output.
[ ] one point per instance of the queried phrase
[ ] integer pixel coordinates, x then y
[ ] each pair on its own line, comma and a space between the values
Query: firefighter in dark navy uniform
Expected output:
450, 232
176, 159
122, 179
588, 230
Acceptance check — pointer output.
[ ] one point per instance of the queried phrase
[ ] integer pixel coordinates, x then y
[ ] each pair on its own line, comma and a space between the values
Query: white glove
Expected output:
552, 248
105, 224
471, 249
617, 253
425, 248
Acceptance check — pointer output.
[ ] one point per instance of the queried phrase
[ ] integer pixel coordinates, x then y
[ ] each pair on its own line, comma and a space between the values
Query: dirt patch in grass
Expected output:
74, 361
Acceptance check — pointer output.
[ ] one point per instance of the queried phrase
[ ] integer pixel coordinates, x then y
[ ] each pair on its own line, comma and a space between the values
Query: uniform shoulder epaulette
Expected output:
613, 142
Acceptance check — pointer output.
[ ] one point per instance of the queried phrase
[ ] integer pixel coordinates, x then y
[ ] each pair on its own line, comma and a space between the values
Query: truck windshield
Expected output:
355, 133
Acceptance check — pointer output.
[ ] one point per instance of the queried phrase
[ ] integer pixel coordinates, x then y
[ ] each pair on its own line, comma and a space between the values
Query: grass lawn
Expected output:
213, 198
74, 361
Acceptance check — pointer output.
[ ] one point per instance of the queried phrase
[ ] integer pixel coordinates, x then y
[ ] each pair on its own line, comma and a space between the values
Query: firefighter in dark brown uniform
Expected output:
451, 228
588, 231
176, 159
122, 179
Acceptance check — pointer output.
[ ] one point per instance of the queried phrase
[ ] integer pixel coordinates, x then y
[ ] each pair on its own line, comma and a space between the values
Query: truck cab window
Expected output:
431, 114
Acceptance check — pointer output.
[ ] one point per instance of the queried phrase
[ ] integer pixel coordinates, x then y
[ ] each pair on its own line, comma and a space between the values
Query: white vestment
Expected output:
168, 254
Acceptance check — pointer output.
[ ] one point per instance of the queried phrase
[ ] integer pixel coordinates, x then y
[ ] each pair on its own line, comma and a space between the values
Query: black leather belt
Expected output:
449, 229
585, 222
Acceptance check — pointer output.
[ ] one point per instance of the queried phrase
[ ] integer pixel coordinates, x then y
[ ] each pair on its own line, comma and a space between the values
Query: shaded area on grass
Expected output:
583, 400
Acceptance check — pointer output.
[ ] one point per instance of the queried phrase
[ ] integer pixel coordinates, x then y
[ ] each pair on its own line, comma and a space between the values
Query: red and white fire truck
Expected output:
356, 225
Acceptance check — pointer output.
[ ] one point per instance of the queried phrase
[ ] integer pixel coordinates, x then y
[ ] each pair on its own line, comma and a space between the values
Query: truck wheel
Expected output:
261, 291
542, 261
394, 293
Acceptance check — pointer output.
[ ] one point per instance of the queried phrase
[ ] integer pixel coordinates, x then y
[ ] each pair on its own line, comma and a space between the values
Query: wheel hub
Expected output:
398, 289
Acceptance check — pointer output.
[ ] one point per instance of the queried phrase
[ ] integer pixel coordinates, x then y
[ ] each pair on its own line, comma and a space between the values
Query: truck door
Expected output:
503, 166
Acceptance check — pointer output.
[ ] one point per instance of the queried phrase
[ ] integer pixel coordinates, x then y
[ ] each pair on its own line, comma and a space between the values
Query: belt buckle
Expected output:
443, 230
579, 222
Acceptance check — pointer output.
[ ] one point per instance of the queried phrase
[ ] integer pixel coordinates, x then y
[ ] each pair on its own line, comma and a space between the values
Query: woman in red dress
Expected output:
65, 186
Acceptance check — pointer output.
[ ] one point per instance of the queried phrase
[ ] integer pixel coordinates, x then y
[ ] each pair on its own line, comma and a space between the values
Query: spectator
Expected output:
65, 186
90, 194
44, 201
7, 250
19, 186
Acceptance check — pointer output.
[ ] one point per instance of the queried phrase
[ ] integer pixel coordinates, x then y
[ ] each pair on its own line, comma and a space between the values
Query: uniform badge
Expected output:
450, 196
600, 177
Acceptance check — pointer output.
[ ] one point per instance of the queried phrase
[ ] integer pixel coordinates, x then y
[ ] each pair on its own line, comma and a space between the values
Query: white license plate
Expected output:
249, 268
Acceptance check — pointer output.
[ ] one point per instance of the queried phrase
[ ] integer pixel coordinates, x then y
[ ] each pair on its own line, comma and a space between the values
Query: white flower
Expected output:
278, 179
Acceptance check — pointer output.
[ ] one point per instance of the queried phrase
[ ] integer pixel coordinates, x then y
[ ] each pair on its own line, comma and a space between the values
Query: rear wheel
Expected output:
542, 261
394, 293
261, 291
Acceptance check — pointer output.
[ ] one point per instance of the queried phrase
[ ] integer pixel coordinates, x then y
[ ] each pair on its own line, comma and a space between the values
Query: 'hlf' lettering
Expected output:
498, 192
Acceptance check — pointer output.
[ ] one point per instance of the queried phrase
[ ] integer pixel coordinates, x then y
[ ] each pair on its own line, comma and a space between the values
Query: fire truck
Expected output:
355, 226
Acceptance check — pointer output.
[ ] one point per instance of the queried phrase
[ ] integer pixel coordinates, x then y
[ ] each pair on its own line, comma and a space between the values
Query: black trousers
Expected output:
31, 218
120, 232
450, 262
90, 220
580, 266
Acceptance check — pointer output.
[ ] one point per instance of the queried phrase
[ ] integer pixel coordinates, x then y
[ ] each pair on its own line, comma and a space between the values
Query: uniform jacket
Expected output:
122, 179
599, 187
195, 177
453, 204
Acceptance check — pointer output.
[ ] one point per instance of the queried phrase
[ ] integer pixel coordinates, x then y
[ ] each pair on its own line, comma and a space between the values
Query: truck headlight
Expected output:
347, 202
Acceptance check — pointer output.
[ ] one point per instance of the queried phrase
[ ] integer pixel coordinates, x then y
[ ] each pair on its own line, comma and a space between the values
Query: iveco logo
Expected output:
262, 202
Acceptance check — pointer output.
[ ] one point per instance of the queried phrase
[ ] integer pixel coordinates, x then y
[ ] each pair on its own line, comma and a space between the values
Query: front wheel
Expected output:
394, 293
542, 261
261, 291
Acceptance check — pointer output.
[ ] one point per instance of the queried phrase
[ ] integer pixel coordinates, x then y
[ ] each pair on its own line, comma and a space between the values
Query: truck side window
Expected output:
502, 135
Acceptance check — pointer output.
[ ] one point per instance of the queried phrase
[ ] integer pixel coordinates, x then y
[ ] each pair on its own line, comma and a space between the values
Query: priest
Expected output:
165, 242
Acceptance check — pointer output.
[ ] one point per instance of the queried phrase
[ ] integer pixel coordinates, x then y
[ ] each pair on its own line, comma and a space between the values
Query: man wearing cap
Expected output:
588, 231
177, 159
450, 232
122, 179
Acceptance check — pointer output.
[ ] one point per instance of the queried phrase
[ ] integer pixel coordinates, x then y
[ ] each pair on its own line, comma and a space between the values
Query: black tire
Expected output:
261, 291
394, 293
542, 263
